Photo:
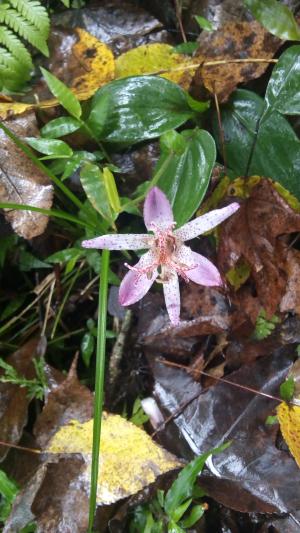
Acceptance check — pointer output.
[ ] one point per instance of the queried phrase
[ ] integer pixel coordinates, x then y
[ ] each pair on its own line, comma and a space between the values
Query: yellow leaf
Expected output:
129, 459
98, 63
289, 420
153, 58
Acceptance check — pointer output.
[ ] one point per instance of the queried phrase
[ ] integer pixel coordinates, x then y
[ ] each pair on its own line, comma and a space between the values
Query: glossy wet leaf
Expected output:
59, 127
52, 147
186, 178
282, 91
277, 18
92, 181
142, 108
276, 138
63, 94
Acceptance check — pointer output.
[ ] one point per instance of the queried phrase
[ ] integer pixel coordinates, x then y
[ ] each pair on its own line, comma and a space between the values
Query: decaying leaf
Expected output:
235, 40
253, 474
14, 400
129, 459
22, 182
152, 58
291, 298
252, 234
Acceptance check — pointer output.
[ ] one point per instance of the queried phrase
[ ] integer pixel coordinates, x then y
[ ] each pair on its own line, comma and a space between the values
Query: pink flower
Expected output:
167, 256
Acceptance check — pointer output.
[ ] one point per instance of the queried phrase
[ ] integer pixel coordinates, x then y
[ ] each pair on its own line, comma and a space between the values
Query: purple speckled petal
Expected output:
203, 272
172, 298
119, 242
205, 222
157, 210
135, 285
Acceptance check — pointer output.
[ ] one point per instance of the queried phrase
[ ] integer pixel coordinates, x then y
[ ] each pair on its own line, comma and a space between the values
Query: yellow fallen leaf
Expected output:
97, 68
153, 58
98, 62
129, 459
289, 420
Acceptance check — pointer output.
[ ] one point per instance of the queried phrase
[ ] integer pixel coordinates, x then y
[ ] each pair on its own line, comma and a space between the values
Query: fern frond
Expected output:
25, 29
34, 12
16, 48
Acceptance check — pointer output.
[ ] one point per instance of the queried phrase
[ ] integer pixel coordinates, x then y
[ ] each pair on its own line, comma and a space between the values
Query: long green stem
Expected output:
99, 382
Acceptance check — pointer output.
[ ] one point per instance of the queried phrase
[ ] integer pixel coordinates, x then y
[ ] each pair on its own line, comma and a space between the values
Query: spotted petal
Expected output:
136, 284
206, 222
172, 298
202, 270
157, 210
119, 242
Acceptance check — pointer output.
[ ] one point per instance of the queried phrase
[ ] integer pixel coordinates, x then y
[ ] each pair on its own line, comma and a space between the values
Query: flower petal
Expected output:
205, 222
202, 272
119, 242
135, 284
172, 298
157, 209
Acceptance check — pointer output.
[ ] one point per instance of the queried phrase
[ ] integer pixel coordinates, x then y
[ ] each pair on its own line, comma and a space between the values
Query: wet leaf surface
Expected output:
235, 40
261, 220
22, 182
244, 479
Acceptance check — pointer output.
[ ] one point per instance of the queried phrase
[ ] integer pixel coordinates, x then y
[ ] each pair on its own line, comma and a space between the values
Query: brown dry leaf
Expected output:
153, 58
235, 40
14, 400
21, 182
252, 234
291, 298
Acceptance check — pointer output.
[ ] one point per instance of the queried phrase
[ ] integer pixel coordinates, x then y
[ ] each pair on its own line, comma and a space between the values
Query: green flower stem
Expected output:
152, 183
99, 383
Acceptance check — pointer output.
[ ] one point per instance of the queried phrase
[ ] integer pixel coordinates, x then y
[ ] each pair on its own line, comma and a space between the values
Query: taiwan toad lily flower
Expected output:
167, 256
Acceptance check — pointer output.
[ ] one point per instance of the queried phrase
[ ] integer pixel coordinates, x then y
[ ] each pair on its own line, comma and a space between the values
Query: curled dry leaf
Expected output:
235, 40
21, 182
291, 298
253, 235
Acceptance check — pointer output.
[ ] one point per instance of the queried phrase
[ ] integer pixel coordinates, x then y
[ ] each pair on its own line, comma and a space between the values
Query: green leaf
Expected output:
111, 190
87, 348
59, 127
51, 147
63, 94
12, 306
28, 262
181, 509
283, 92
141, 107
186, 48
276, 152
63, 256
204, 23
287, 389
92, 181
173, 141
196, 513
186, 178
182, 488
271, 420
275, 17
100, 113
174, 528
